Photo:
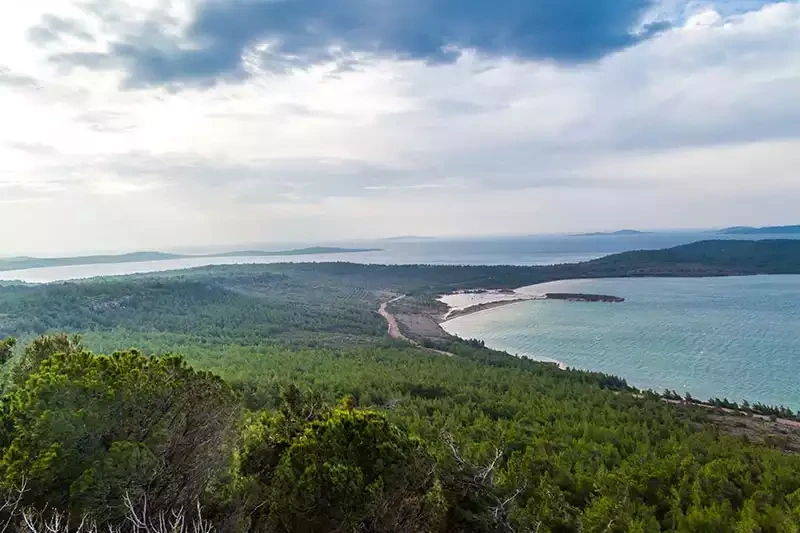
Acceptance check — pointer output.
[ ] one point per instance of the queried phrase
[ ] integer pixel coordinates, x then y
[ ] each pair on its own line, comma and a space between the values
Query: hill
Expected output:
766, 230
291, 410
705, 258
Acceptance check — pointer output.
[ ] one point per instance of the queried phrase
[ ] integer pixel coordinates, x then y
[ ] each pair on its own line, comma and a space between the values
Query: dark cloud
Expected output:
305, 32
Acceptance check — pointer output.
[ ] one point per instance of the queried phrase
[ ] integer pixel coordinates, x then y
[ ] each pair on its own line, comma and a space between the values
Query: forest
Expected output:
267, 398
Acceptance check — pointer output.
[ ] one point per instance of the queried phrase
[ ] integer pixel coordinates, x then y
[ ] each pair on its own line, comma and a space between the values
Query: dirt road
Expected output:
393, 328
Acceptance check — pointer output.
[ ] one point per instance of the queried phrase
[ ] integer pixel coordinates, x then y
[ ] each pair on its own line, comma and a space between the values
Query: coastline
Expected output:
531, 350
500, 298
493, 299
454, 313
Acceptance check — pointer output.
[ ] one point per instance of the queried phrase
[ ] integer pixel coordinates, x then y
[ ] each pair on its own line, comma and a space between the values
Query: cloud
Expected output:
278, 35
669, 130
52, 29
17, 80
33, 148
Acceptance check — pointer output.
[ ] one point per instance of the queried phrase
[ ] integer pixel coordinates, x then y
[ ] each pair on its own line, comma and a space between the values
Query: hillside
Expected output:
714, 257
291, 410
273, 299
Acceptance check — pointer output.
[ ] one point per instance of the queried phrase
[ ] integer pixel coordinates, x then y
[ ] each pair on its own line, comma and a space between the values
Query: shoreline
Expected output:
502, 301
454, 313
707, 404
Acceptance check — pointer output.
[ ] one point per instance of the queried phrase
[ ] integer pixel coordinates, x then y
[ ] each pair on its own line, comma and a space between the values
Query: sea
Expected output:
735, 338
730, 338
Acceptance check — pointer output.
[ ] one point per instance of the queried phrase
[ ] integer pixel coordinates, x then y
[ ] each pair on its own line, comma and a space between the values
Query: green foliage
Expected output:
329, 303
83, 430
41, 349
713, 257
354, 471
479, 441
7, 349
246, 309
575, 452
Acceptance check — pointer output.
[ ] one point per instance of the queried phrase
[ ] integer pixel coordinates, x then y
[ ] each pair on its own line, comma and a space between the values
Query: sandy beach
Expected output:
491, 300
477, 308
466, 303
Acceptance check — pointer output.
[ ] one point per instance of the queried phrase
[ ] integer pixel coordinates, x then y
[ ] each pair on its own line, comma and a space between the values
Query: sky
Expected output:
152, 124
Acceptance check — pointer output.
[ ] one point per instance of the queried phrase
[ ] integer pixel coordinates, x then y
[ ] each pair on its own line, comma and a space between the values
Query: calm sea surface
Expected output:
733, 337
724, 337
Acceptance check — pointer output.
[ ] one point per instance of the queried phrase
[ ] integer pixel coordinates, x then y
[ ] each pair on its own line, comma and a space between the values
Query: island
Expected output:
24, 263
618, 233
766, 230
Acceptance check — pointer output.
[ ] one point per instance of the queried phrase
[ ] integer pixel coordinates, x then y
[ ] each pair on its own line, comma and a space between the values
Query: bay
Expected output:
712, 337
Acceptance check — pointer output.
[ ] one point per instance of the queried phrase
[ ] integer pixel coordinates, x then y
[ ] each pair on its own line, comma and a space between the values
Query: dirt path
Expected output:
393, 329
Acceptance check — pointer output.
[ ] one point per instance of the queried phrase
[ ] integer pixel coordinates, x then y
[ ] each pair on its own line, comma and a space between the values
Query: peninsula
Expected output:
569, 297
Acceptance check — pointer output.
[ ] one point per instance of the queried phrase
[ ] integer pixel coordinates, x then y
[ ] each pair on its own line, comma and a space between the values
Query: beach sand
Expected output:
492, 300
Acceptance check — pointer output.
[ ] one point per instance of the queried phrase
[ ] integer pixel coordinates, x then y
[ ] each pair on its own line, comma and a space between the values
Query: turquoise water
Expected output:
725, 337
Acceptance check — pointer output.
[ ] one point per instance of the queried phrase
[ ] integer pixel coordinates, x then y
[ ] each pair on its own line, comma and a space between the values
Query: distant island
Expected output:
765, 230
24, 263
612, 233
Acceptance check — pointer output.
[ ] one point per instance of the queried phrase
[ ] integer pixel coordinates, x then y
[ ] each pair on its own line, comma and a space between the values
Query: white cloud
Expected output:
681, 130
